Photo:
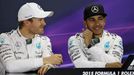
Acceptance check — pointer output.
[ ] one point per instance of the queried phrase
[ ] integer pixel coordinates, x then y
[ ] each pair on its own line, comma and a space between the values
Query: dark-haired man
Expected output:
95, 47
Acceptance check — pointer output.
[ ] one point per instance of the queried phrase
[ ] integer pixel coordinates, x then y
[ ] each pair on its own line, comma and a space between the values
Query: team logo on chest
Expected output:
107, 44
18, 45
38, 45
2, 40
71, 42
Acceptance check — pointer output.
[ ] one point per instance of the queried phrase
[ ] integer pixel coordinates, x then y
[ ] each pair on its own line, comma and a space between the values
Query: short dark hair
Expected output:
21, 24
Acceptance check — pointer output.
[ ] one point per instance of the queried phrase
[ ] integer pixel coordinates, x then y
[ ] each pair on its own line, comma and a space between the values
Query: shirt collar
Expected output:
20, 35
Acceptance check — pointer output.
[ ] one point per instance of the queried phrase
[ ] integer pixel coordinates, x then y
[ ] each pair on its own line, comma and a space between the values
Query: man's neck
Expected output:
26, 33
98, 35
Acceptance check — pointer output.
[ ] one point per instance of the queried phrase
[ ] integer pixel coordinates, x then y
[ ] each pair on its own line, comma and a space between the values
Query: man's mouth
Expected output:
42, 27
97, 28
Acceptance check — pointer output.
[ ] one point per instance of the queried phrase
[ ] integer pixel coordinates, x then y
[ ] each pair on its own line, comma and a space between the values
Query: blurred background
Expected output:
68, 20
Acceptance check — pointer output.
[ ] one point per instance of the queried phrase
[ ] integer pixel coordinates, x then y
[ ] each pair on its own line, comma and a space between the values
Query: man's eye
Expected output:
91, 19
100, 18
40, 19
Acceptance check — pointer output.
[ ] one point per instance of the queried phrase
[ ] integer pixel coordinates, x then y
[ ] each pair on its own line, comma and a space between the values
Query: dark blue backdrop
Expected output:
68, 19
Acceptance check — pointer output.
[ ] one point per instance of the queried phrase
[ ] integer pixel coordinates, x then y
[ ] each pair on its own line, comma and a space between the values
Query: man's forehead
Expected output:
34, 18
37, 18
97, 16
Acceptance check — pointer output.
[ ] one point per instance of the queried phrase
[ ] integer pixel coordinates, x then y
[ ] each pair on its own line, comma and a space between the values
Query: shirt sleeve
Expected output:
47, 48
114, 54
78, 57
11, 63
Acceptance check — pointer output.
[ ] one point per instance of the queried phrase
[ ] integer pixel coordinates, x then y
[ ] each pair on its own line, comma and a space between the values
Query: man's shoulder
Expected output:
7, 34
76, 36
74, 39
112, 35
43, 37
4, 37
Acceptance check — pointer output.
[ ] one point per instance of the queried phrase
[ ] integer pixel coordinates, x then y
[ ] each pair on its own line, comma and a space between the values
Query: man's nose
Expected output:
43, 22
97, 22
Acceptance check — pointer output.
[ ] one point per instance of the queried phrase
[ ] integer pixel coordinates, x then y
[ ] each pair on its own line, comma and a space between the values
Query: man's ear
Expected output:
26, 22
85, 24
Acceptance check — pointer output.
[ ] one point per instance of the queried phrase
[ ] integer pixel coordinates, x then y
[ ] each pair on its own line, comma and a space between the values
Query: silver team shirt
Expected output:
108, 50
18, 56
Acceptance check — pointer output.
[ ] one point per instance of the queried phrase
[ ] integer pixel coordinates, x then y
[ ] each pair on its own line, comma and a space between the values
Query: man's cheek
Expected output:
102, 24
90, 27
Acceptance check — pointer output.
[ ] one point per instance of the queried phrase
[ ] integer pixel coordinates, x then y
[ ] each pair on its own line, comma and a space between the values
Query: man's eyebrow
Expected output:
91, 18
101, 16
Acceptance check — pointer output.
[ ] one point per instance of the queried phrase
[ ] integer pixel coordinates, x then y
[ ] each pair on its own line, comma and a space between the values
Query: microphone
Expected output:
94, 41
28, 41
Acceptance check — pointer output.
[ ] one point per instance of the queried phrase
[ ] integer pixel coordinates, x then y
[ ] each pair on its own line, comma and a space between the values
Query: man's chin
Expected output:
97, 32
40, 33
